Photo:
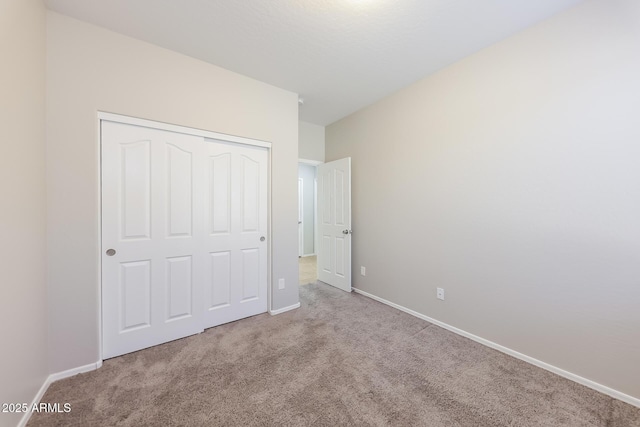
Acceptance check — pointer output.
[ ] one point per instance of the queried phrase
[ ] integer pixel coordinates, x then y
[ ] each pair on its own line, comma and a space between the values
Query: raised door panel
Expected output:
179, 288
326, 254
135, 295
340, 247
250, 190
219, 286
339, 217
220, 194
325, 194
250, 274
179, 191
135, 190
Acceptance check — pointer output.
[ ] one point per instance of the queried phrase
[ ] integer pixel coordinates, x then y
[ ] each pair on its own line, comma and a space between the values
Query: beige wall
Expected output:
23, 358
311, 141
512, 180
90, 69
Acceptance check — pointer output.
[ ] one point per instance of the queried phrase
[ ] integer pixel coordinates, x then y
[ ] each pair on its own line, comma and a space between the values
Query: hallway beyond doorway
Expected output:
308, 272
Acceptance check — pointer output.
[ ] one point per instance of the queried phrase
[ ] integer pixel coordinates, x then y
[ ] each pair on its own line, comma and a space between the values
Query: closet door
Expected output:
153, 261
236, 232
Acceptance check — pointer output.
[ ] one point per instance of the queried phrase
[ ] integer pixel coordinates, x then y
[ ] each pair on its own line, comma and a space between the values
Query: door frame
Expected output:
118, 118
300, 217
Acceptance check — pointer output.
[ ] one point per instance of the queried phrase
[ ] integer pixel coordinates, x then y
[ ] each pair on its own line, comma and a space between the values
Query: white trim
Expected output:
110, 117
284, 310
75, 371
36, 400
300, 216
99, 205
566, 374
269, 232
52, 378
310, 162
307, 255
315, 215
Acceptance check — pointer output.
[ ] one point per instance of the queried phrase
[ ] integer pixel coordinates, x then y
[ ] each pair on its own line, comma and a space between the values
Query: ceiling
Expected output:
339, 55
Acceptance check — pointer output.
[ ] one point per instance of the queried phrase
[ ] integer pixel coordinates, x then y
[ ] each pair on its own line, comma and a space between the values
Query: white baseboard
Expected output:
566, 374
284, 310
53, 378
307, 255
75, 371
36, 400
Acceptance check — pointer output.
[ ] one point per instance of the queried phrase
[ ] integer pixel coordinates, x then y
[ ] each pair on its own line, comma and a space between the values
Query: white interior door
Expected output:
334, 223
236, 245
152, 263
184, 227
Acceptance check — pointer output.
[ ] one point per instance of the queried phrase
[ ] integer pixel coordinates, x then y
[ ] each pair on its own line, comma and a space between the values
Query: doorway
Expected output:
307, 188
327, 221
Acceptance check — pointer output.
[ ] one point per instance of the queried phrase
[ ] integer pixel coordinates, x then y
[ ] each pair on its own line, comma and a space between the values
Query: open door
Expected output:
334, 223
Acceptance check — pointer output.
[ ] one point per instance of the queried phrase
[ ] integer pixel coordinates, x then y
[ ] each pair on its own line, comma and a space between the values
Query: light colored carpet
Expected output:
308, 269
341, 359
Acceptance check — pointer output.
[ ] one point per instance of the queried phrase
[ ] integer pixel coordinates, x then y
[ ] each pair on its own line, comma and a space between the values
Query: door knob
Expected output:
346, 231
111, 252
262, 239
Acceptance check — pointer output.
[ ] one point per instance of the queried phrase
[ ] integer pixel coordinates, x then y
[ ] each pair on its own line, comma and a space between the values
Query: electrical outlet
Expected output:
440, 293
281, 284
363, 271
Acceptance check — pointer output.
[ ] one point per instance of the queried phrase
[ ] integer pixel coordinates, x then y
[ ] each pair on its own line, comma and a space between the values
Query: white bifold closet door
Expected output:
182, 221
